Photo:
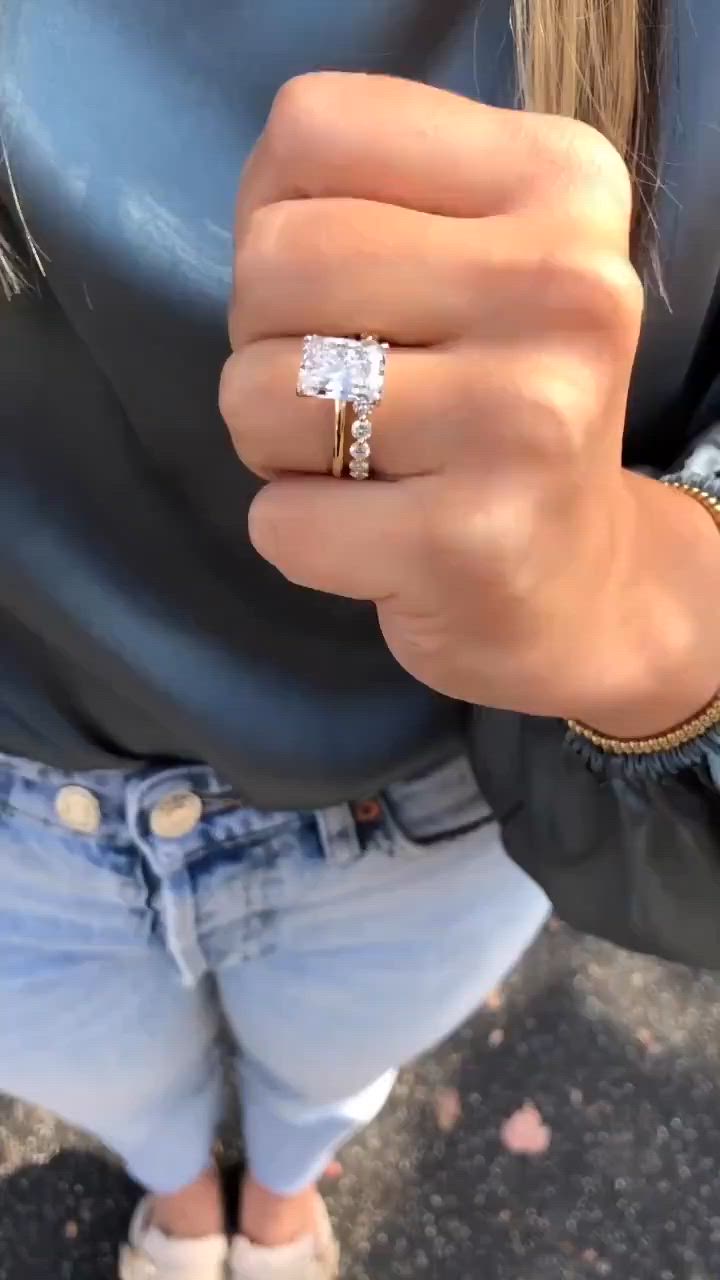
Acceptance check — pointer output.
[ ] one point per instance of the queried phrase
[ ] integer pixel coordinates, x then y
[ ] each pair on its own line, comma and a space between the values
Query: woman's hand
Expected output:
506, 550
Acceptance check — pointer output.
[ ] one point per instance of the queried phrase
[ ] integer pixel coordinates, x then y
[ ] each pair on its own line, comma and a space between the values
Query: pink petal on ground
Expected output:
496, 1038
525, 1134
448, 1109
647, 1040
495, 1000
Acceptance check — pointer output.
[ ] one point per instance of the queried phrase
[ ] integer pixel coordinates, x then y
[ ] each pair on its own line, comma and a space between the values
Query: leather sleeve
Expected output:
633, 860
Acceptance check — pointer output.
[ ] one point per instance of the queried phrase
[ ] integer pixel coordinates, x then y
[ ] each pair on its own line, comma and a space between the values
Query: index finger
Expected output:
398, 142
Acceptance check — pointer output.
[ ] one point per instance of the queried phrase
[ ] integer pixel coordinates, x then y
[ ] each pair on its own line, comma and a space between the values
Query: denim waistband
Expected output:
123, 805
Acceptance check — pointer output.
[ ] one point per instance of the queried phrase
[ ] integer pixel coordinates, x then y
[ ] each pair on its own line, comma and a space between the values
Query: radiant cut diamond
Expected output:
346, 369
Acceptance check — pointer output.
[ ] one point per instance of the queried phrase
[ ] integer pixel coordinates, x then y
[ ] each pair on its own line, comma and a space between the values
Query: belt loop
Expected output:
338, 835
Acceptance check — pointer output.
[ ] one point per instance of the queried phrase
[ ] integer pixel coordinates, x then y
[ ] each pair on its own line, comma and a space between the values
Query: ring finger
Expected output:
275, 431
443, 410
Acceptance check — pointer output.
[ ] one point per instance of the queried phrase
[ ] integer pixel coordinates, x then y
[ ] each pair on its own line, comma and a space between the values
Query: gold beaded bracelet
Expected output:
690, 730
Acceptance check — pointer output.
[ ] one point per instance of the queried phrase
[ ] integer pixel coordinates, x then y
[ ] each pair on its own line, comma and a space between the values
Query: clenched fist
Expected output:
511, 559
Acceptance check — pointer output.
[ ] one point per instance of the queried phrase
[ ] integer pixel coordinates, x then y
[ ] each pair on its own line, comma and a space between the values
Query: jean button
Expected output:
78, 810
176, 815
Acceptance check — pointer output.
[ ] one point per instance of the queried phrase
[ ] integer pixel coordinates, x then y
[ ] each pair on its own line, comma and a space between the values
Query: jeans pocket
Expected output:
442, 804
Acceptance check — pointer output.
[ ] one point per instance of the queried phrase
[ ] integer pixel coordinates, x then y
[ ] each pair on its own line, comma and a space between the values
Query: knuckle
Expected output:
418, 640
597, 290
485, 539
579, 166
262, 243
507, 528
263, 527
238, 391
512, 531
266, 251
229, 394
443, 533
547, 405
296, 116
615, 298
556, 411
252, 455
598, 160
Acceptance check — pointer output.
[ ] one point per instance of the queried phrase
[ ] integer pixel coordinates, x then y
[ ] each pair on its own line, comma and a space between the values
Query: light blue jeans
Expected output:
343, 944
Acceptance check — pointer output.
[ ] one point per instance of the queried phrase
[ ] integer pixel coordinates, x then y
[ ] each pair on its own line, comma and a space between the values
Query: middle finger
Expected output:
339, 266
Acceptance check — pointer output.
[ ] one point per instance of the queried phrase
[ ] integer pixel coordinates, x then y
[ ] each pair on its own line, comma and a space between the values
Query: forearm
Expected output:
661, 662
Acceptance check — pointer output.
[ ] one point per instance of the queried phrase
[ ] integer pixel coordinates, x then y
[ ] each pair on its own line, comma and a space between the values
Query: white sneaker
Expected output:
151, 1255
314, 1257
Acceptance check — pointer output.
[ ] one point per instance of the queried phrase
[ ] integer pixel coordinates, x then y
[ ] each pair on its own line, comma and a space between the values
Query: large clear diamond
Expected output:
346, 369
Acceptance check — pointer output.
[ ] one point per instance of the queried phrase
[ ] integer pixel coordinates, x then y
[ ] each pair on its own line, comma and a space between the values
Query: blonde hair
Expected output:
12, 276
600, 61
594, 60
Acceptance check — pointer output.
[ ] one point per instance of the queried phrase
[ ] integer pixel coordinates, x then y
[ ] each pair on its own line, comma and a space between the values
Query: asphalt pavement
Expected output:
571, 1131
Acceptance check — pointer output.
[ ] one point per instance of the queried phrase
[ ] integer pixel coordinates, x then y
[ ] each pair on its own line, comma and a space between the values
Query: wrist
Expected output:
656, 654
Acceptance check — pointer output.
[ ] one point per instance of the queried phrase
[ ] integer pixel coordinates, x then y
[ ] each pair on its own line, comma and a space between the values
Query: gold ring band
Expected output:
338, 458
